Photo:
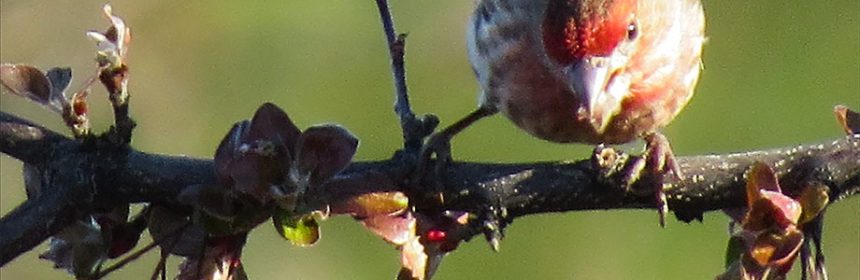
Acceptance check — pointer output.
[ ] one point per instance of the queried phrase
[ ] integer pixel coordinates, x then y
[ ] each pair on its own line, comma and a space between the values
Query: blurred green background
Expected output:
773, 72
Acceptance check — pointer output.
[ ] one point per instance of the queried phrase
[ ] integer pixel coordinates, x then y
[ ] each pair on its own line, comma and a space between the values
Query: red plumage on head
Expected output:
575, 29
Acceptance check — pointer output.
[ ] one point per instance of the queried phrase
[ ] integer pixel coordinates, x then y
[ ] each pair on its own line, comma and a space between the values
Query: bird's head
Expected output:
592, 41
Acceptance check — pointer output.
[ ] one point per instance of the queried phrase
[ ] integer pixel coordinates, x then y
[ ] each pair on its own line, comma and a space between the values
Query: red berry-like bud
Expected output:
436, 235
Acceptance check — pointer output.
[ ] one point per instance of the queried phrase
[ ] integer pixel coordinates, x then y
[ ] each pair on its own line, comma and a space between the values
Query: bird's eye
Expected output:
632, 31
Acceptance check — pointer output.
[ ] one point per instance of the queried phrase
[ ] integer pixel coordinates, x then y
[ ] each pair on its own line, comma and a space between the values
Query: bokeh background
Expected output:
773, 72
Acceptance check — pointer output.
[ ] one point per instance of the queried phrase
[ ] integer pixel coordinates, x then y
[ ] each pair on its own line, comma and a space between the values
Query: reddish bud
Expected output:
436, 235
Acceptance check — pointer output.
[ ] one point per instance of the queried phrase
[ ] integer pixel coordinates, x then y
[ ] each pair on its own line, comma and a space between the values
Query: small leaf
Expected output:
273, 124
213, 200
736, 248
228, 151
395, 229
298, 229
29, 82
124, 238
323, 151
767, 206
813, 200
60, 78
249, 164
418, 261
79, 248
413, 261
775, 211
174, 232
219, 260
776, 250
112, 44
373, 204
760, 177
848, 119
789, 209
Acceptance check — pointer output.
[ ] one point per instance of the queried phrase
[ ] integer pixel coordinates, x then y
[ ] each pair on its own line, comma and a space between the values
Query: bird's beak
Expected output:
590, 79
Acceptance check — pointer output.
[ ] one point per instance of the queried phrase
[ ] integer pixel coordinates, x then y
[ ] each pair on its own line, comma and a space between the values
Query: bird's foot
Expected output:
649, 173
436, 152
435, 156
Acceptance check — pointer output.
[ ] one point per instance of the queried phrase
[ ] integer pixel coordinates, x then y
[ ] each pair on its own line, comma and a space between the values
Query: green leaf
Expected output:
736, 248
301, 230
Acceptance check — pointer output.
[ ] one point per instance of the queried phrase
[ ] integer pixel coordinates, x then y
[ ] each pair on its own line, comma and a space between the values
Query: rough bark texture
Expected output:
81, 175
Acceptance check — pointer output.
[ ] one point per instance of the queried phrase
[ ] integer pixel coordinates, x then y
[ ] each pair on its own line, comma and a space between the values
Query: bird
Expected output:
597, 72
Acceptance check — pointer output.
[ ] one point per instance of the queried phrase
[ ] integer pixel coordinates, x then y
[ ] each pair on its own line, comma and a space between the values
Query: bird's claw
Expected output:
437, 147
648, 174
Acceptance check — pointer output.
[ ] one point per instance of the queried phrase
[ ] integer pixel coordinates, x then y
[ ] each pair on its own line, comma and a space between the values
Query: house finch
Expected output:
586, 71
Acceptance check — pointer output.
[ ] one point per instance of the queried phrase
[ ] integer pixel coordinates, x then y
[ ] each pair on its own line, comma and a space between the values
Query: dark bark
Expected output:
87, 174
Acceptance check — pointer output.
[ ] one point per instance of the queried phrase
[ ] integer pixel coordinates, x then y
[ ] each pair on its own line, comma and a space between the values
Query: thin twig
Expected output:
126, 260
161, 266
414, 130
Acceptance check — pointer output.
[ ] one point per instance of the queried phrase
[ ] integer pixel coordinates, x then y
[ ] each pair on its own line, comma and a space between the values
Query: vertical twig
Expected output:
414, 129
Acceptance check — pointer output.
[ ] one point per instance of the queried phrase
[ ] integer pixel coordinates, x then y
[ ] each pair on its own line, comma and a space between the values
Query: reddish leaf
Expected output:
29, 82
372, 204
418, 261
779, 249
395, 229
125, 236
256, 171
323, 151
214, 200
848, 119
413, 261
760, 177
767, 207
789, 209
257, 158
273, 124
228, 151
174, 232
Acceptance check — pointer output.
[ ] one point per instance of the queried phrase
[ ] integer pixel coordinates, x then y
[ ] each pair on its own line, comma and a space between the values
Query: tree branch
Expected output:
414, 129
87, 175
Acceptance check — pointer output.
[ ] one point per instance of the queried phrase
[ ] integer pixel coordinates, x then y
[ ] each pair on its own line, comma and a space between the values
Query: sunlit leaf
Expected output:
848, 119
760, 177
396, 229
767, 206
373, 204
112, 44
301, 230
413, 261
219, 260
